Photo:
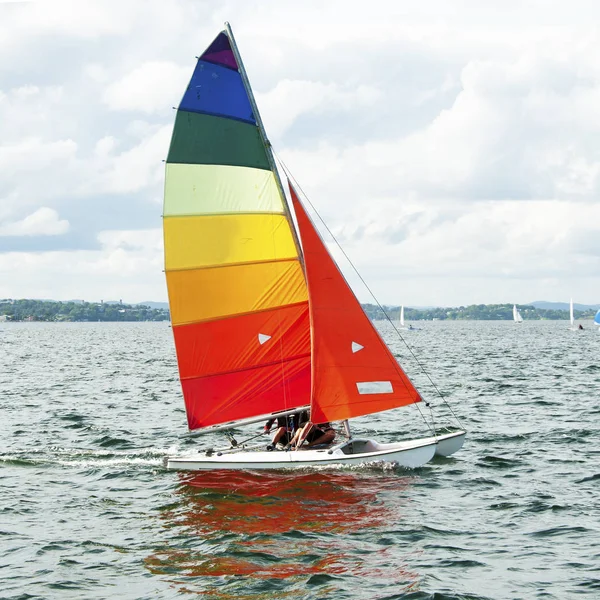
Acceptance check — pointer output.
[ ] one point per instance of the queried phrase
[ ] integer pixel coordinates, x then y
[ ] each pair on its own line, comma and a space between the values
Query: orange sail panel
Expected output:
353, 371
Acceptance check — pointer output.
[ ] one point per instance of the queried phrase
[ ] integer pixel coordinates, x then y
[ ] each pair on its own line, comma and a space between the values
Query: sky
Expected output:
453, 148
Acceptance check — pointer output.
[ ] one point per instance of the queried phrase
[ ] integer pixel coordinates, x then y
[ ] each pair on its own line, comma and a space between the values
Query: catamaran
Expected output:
264, 323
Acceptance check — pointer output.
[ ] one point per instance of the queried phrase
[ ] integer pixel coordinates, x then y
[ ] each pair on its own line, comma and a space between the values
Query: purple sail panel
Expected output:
220, 53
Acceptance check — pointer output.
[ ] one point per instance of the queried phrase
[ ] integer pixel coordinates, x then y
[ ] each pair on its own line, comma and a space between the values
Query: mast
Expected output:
266, 142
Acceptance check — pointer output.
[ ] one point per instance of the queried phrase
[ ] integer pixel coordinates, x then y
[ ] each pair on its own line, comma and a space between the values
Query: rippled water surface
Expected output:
88, 410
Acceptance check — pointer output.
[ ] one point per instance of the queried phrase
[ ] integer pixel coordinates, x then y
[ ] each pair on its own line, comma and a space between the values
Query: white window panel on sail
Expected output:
263, 337
375, 387
219, 189
356, 347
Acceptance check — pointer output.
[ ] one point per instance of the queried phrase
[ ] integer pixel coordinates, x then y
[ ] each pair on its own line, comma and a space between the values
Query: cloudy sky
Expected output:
452, 147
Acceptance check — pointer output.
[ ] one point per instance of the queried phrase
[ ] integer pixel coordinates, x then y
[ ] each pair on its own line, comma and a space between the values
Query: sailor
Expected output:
313, 435
287, 425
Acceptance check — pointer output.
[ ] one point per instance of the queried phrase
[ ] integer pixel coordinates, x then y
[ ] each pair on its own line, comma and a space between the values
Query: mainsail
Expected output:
237, 291
353, 371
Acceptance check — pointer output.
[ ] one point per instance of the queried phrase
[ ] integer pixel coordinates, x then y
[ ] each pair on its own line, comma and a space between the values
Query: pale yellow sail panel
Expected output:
213, 240
202, 294
209, 189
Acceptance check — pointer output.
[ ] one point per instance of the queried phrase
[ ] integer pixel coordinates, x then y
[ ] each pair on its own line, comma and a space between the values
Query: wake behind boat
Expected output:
264, 323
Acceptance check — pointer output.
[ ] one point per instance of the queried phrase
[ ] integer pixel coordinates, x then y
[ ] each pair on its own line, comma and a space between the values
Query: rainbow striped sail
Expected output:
237, 292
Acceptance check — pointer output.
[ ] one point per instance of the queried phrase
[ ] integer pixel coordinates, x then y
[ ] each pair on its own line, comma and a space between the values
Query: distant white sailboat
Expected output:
572, 317
517, 318
403, 324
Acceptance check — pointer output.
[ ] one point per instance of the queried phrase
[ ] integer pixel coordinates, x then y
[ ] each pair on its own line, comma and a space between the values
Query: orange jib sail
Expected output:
353, 371
237, 291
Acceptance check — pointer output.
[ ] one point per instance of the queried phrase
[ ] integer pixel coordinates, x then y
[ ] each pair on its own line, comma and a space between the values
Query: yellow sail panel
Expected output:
214, 240
209, 189
201, 294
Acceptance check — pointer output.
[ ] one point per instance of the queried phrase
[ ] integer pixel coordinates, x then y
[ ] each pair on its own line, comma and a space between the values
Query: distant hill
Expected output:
163, 305
562, 305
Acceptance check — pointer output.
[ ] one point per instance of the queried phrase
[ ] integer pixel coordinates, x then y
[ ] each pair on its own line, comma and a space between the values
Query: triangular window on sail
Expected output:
356, 347
263, 337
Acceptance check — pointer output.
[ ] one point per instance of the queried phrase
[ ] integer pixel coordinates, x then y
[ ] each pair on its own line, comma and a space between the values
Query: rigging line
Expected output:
296, 184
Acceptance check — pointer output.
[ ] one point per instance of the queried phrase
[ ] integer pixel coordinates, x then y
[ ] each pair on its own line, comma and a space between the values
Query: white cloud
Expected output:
444, 143
128, 265
34, 154
132, 170
282, 105
148, 88
44, 221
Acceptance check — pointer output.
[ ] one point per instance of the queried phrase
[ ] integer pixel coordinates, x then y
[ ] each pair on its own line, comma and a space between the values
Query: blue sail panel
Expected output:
219, 91
597, 318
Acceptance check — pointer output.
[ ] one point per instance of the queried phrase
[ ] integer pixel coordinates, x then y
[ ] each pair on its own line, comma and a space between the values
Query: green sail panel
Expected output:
208, 140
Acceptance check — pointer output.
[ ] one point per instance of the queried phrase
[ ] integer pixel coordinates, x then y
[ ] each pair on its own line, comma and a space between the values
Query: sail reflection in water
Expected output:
276, 530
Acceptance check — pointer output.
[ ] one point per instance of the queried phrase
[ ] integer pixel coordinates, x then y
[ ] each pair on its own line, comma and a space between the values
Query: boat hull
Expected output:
411, 454
450, 443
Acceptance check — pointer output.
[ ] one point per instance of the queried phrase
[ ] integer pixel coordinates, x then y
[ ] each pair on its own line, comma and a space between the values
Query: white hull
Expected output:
450, 443
411, 453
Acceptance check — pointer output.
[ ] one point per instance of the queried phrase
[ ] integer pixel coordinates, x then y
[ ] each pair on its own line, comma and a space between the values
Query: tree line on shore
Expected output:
47, 310
474, 312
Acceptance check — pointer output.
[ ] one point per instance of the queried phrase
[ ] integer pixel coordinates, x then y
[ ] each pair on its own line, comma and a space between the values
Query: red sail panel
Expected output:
243, 341
354, 373
233, 396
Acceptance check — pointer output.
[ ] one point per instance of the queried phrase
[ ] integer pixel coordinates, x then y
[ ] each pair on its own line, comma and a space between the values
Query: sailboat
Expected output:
403, 325
517, 318
597, 320
572, 317
264, 323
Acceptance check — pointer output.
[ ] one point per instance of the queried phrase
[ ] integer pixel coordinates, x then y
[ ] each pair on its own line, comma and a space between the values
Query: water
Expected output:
88, 410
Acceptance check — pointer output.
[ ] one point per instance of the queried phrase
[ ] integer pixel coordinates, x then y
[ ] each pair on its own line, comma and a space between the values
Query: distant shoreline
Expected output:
48, 311
115, 312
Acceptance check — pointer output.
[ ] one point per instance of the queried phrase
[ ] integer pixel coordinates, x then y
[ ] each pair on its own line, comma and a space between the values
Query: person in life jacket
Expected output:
287, 426
312, 434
